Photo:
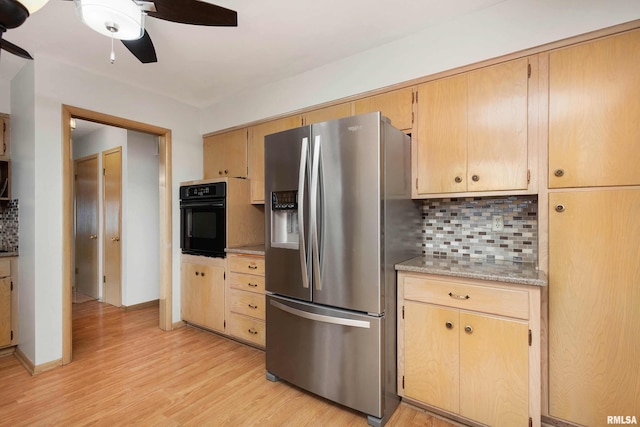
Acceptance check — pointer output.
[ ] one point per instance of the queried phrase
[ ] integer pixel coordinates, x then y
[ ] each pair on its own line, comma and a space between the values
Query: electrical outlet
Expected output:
497, 223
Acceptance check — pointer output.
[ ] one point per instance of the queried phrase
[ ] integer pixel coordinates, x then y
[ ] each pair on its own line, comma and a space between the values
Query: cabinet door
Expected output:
203, 295
494, 370
328, 113
497, 127
256, 152
225, 155
594, 300
431, 349
5, 311
441, 152
594, 113
396, 105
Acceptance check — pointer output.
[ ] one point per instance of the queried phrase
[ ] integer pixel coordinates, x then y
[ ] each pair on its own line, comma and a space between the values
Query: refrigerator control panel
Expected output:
284, 200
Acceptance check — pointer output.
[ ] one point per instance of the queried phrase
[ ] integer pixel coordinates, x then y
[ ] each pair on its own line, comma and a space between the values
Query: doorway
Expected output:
165, 201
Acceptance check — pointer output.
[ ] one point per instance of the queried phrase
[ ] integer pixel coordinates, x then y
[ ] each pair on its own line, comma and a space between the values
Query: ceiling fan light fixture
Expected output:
120, 19
33, 5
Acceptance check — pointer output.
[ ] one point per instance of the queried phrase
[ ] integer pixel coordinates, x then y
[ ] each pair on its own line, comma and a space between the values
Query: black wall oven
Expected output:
203, 219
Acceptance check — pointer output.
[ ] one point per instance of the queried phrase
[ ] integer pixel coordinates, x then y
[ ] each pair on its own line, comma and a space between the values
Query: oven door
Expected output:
202, 227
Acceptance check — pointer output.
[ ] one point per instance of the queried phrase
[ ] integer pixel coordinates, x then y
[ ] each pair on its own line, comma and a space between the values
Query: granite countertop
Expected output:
474, 268
8, 254
248, 250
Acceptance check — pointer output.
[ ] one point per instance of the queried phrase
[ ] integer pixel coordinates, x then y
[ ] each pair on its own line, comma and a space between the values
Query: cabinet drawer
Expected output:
247, 303
247, 264
5, 268
247, 282
499, 301
247, 328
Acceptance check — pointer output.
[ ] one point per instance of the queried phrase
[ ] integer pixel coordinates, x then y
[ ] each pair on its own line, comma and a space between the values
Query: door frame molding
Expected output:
164, 184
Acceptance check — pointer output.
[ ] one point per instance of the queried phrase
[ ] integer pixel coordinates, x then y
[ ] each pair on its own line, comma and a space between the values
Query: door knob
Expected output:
93, 237
115, 239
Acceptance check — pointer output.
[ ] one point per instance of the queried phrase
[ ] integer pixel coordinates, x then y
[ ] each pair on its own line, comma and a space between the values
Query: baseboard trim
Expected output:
178, 324
7, 351
32, 368
555, 422
152, 303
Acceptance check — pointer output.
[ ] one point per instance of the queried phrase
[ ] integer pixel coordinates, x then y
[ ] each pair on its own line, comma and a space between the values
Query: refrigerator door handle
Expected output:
322, 318
315, 257
301, 176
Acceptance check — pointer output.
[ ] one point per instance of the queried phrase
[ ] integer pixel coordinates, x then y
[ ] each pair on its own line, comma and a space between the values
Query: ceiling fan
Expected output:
121, 19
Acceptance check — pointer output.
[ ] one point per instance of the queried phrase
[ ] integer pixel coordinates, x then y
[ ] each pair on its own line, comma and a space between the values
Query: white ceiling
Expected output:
199, 66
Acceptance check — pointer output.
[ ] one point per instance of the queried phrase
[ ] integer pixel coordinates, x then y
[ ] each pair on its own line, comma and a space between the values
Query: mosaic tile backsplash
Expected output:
9, 226
462, 228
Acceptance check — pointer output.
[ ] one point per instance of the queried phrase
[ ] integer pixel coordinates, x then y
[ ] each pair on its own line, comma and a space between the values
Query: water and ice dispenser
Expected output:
284, 219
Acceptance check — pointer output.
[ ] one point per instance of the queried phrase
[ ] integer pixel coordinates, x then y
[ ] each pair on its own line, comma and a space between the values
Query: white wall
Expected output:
37, 95
142, 271
507, 27
5, 96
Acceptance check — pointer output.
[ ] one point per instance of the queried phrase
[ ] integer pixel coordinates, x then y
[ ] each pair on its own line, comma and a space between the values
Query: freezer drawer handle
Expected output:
322, 318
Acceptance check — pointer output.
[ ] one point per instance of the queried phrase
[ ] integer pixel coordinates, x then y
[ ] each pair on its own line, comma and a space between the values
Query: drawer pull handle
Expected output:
454, 296
252, 306
449, 325
468, 329
253, 267
253, 285
252, 331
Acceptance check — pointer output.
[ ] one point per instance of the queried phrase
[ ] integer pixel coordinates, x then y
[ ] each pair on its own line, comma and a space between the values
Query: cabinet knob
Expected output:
197, 273
458, 179
475, 178
252, 331
202, 274
449, 325
219, 172
560, 208
226, 171
559, 173
468, 329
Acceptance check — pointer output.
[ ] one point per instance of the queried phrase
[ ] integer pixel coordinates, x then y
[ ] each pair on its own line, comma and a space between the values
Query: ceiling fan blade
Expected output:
194, 12
142, 48
16, 50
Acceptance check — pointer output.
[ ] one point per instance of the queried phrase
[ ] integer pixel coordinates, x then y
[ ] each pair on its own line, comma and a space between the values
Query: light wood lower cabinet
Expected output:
203, 291
246, 300
465, 348
8, 304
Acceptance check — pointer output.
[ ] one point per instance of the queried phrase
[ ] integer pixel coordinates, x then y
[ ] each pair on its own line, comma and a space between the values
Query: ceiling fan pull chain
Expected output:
113, 55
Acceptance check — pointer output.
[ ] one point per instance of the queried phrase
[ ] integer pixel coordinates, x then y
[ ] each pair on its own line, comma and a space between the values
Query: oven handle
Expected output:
219, 203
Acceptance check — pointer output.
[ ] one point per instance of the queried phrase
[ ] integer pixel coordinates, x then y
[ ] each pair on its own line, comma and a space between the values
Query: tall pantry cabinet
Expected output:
594, 230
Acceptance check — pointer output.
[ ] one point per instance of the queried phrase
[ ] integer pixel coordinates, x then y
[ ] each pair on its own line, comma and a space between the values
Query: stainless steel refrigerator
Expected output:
339, 216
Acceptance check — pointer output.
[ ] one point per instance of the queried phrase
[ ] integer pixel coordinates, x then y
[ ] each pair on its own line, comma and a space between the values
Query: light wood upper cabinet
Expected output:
256, 151
225, 155
594, 113
397, 105
328, 113
472, 131
203, 291
594, 305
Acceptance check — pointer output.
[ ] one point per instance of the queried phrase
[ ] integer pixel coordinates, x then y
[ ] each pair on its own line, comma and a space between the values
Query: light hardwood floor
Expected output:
126, 371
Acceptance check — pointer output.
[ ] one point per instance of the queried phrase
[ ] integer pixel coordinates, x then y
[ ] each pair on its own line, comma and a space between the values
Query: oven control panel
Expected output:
203, 191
